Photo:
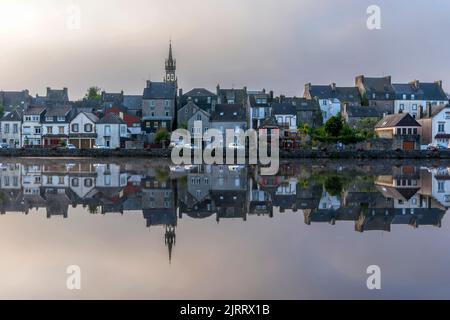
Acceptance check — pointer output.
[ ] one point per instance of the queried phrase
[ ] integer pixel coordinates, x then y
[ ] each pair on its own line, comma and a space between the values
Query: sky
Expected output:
277, 45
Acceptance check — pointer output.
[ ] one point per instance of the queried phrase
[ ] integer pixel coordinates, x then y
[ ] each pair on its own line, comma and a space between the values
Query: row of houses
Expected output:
47, 120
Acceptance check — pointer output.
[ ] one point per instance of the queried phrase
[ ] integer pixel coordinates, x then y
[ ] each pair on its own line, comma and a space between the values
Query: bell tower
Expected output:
171, 67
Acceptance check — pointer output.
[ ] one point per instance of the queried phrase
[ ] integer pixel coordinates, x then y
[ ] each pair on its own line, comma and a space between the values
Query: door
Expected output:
85, 143
75, 143
408, 145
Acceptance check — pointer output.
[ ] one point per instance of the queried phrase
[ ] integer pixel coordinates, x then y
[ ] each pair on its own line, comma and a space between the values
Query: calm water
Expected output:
140, 229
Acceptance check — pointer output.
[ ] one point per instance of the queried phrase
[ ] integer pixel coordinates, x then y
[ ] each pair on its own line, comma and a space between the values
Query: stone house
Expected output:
402, 129
201, 97
360, 117
414, 96
228, 117
376, 92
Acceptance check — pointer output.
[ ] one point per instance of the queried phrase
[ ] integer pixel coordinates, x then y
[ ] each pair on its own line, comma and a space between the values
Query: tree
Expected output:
334, 126
93, 93
161, 135
2, 109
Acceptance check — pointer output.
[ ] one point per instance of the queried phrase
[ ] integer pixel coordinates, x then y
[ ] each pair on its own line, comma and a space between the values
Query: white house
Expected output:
414, 96
332, 98
110, 130
32, 127
82, 130
55, 125
10, 129
286, 115
435, 124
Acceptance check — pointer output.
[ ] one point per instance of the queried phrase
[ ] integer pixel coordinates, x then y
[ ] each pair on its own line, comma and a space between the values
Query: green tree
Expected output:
93, 93
161, 135
334, 126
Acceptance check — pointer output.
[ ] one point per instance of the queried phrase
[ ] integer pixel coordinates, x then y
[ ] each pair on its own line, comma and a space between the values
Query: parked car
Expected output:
436, 147
100, 146
4, 146
71, 147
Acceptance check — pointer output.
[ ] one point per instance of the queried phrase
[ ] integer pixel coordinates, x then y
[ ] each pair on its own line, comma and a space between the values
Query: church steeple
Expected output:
171, 67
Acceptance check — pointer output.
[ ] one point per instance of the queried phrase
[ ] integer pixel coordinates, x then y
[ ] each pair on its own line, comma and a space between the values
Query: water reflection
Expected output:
372, 197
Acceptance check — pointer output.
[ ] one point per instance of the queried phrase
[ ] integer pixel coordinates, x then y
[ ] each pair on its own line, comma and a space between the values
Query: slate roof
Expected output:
303, 104
421, 91
12, 116
58, 111
283, 109
343, 94
35, 110
397, 120
380, 87
89, 115
132, 102
160, 90
434, 111
363, 112
110, 118
199, 92
238, 95
229, 113
14, 98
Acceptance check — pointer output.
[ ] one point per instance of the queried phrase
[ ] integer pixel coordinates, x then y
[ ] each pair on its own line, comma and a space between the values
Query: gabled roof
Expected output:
160, 90
397, 120
60, 111
378, 86
283, 108
88, 115
35, 110
343, 94
421, 91
229, 113
199, 92
363, 112
12, 116
238, 95
132, 102
14, 98
110, 118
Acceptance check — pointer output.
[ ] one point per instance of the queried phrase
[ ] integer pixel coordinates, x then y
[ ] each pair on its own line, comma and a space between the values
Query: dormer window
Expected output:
221, 113
373, 95
387, 95
404, 97
49, 119
413, 97
234, 113
61, 119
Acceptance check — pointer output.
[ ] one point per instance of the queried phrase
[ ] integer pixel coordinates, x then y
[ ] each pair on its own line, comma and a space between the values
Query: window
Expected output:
152, 114
88, 127
75, 127
414, 106
441, 127
49, 119
441, 187
373, 95
404, 130
413, 97
107, 130
167, 113
447, 198
402, 106
199, 117
37, 130
324, 102
49, 130
7, 128
61, 130
15, 128
447, 115
409, 130
166, 103
404, 97
88, 183
387, 95
75, 182
35, 118
27, 118
61, 119
415, 131
164, 124
123, 129
26, 130
208, 100
152, 103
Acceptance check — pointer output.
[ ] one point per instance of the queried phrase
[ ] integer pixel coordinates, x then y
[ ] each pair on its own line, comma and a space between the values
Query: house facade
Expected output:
331, 98
11, 100
201, 97
111, 131
435, 124
376, 92
416, 96
10, 129
55, 126
82, 132
158, 107
286, 116
402, 129
259, 107
32, 126
228, 117
360, 117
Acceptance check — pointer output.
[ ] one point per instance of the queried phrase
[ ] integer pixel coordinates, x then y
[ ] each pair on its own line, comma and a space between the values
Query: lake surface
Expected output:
138, 228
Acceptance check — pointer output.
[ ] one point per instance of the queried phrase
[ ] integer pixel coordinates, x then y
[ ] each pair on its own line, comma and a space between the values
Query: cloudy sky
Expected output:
279, 45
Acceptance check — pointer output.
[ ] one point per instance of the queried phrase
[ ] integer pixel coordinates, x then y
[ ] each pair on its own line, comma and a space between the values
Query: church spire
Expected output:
171, 67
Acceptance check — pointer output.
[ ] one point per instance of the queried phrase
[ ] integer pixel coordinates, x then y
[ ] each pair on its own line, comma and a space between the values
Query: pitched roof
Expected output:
434, 111
130, 119
110, 118
160, 90
283, 108
363, 112
14, 98
238, 95
343, 94
397, 120
378, 86
132, 102
88, 115
199, 92
229, 113
12, 116
34, 110
421, 91
60, 111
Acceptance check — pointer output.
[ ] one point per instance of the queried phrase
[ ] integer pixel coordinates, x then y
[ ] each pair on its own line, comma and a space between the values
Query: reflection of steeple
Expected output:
170, 240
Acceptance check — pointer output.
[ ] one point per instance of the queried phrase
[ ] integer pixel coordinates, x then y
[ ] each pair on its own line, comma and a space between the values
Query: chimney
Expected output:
180, 92
271, 96
439, 83
416, 84
421, 114
333, 86
245, 89
389, 79
429, 109
149, 83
